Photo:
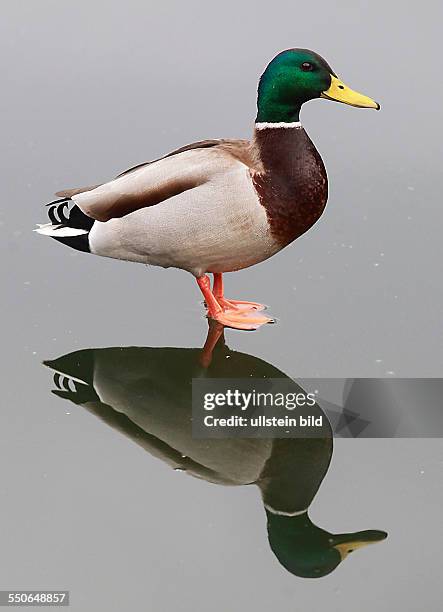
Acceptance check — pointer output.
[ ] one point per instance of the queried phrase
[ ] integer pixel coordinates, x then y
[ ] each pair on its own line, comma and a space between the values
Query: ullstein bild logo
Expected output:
349, 408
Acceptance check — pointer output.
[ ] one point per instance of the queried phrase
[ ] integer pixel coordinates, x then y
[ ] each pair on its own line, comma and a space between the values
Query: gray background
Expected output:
88, 89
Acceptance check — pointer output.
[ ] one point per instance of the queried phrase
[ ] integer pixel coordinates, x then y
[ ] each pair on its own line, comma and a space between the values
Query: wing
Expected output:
153, 182
201, 144
68, 193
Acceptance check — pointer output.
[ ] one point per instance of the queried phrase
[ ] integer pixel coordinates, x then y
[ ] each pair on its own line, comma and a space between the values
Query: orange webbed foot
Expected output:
230, 313
240, 305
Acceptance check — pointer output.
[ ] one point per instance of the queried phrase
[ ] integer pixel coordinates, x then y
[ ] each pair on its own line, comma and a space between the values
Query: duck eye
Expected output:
307, 66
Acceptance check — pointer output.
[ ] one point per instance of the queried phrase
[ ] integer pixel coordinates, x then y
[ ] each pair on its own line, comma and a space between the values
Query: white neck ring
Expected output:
282, 513
281, 124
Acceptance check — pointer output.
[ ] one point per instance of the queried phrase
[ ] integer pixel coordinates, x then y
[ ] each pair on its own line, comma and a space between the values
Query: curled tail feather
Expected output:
69, 224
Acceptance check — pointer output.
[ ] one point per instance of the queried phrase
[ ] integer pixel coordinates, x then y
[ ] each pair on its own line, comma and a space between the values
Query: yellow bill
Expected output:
339, 92
348, 547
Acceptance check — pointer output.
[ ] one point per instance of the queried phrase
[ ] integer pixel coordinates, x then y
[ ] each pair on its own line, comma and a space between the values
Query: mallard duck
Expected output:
145, 393
217, 206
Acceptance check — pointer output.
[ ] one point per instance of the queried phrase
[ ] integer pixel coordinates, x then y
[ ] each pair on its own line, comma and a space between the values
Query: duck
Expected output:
145, 394
221, 205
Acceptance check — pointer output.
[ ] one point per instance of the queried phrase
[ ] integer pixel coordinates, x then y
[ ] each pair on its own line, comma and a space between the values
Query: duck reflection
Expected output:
145, 393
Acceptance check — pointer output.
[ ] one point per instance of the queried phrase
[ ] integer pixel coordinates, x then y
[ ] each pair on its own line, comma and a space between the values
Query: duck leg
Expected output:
226, 304
236, 319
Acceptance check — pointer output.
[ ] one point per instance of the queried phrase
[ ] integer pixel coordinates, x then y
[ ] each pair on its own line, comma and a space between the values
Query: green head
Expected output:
310, 552
295, 76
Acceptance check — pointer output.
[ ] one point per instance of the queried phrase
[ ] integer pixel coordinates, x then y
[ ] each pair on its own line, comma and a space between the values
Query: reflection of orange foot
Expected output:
239, 305
240, 319
229, 317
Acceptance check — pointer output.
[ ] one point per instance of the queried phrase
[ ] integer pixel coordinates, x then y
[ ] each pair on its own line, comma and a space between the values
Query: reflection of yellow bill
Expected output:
348, 547
339, 92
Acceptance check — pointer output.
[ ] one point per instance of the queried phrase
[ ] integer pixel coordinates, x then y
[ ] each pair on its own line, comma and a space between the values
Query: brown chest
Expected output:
292, 183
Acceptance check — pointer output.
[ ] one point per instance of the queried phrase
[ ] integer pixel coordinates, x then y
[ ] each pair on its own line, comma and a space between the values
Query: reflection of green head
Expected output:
308, 551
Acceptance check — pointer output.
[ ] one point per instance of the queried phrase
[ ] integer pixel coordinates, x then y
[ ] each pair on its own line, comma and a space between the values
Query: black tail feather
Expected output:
65, 213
